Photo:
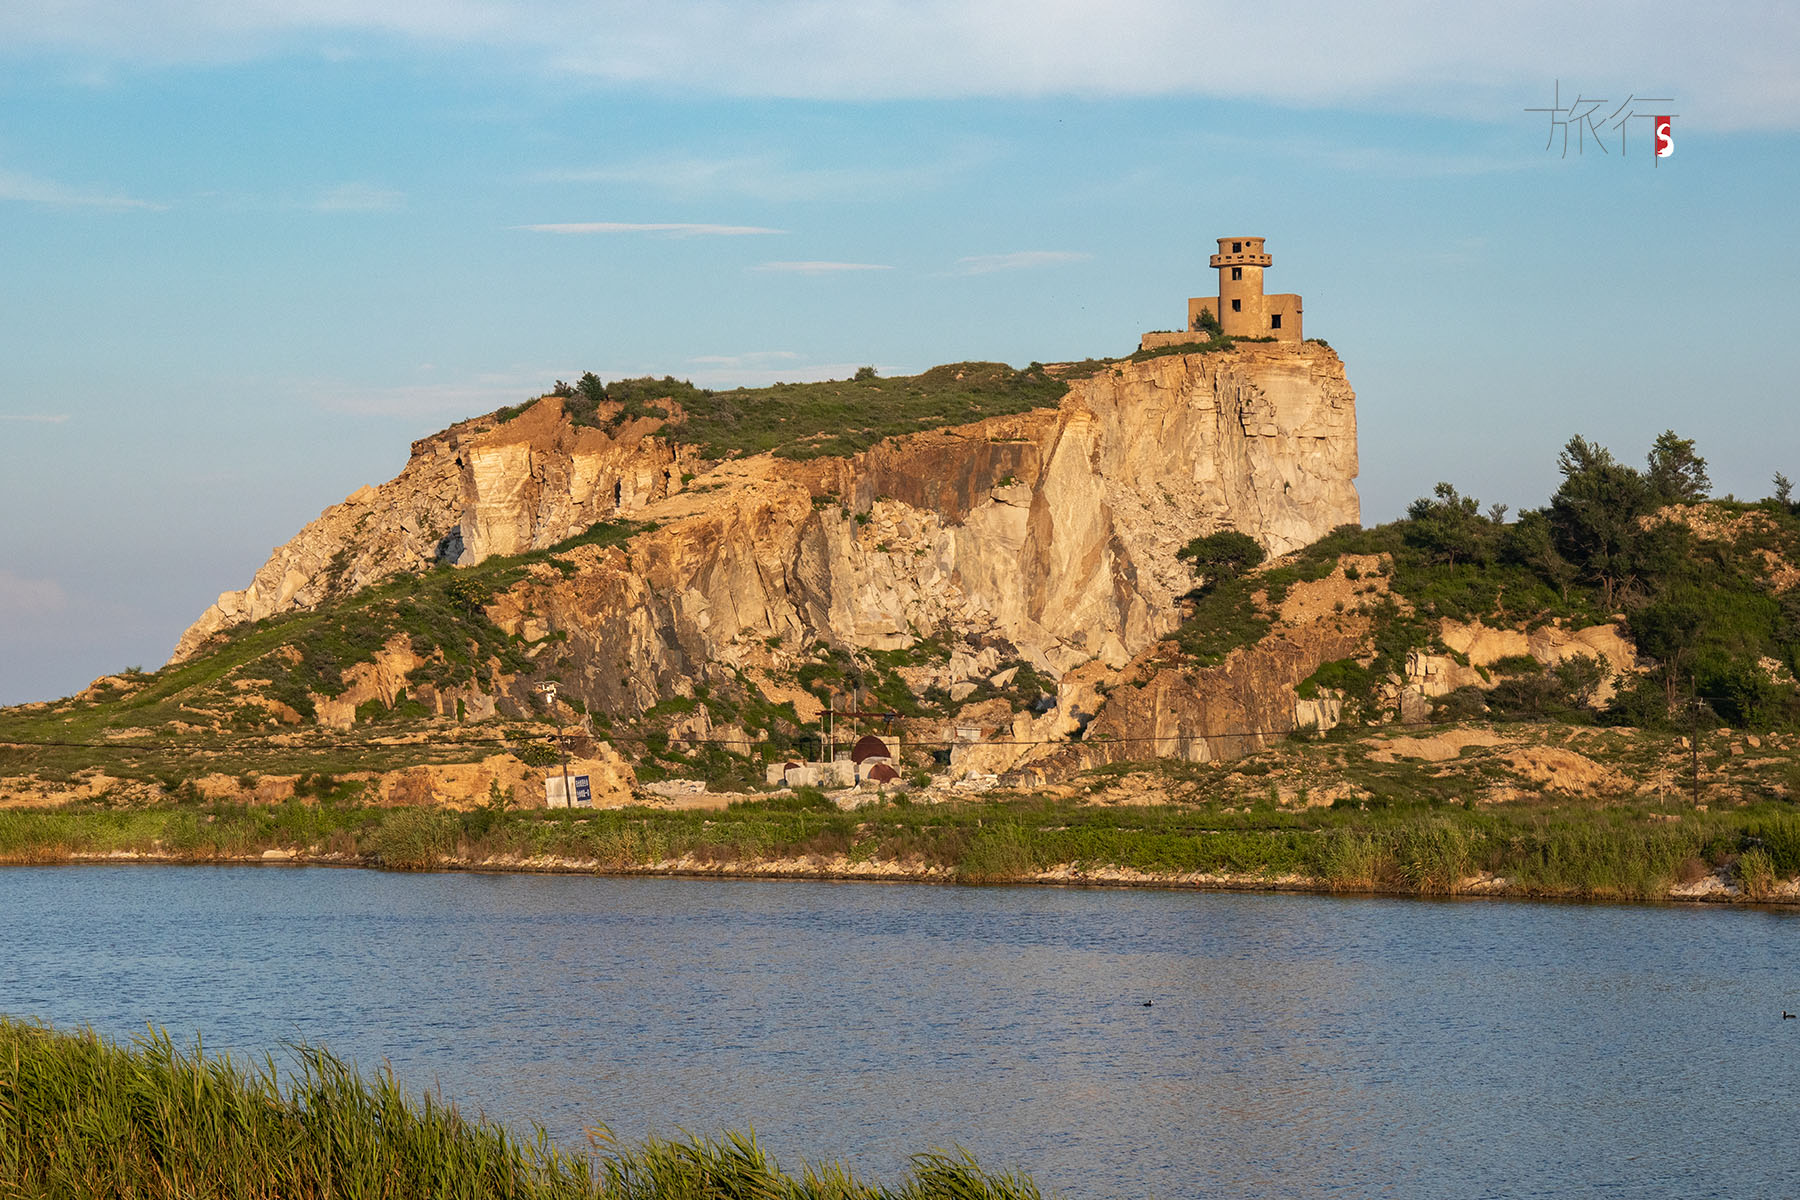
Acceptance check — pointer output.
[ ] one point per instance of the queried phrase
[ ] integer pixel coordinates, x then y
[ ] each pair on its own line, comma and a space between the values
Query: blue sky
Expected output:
249, 250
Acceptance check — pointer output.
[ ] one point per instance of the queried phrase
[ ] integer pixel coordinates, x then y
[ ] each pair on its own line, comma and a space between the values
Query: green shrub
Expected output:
414, 839
1434, 858
1353, 862
538, 754
997, 854
1779, 837
1344, 675
1221, 554
1225, 617
812, 420
1756, 873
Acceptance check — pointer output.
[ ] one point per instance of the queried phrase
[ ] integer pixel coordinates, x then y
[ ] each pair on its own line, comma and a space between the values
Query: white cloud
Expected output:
30, 189
754, 358
820, 268
672, 228
36, 418
1021, 260
439, 399
359, 198
765, 177
21, 597
1728, 68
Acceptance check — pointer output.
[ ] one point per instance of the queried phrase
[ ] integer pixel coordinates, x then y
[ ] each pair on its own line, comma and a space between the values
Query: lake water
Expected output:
1295, 1046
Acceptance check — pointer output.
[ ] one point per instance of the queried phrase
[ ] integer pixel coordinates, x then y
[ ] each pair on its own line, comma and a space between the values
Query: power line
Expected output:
672, 740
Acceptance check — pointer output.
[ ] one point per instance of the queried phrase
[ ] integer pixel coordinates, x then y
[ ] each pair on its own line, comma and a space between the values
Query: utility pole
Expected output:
1694, 747
549, 690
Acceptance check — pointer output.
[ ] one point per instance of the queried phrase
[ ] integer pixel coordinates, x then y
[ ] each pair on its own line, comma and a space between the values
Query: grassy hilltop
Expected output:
831, 418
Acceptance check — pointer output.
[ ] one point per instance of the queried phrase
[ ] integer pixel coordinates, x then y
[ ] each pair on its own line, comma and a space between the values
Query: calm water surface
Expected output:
1296, 1045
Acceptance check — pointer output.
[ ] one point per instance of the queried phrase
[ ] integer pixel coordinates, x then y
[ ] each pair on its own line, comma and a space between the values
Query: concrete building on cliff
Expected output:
1241, 307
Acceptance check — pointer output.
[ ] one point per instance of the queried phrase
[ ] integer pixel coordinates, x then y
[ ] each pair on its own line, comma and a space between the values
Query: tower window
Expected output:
1237, 273
1237, 247
1237, 306
1275, 321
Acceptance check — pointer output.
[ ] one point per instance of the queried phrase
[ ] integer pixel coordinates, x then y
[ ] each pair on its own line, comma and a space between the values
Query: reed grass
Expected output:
1354, 862
1005, 852
84, 1117
415, 839
1756, 873
1634, 851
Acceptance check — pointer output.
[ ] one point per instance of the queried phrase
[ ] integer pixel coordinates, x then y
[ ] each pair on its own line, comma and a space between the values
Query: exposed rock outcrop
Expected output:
1483, 647
1053, 532
472, 491
1162, 708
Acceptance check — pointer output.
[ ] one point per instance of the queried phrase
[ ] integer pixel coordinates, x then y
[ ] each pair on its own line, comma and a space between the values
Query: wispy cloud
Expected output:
36, 418
30, 189
1396, 55
754, 358
22, 597
671, 228
1364, 159
820, 268
771, 178
439, 399
359, 198
1019, 260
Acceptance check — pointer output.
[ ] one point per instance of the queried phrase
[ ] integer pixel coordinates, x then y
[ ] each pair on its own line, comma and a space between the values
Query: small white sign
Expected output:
557, 788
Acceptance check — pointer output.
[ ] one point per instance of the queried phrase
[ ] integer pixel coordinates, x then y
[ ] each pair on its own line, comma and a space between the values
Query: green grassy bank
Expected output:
1632, 851
82, 1117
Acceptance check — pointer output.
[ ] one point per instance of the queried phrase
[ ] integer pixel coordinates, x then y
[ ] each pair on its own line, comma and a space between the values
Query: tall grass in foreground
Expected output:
80, 1116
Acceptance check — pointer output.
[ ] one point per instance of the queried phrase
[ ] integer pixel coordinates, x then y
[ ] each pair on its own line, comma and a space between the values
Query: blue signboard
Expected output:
584, 794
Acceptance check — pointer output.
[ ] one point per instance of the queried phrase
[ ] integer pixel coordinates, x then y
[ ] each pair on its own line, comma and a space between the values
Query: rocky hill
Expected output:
1045, 538
1055, 529
630, 544
1119, 618
1033, 574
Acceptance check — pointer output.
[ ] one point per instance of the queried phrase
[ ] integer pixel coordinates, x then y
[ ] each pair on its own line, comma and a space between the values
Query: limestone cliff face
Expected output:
1160, 707
1053, 532
472, 491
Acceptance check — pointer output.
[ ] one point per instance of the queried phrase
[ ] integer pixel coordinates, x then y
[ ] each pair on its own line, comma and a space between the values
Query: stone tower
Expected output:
1241, 306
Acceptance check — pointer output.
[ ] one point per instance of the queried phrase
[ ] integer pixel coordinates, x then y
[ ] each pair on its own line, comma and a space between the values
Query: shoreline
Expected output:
1712, 889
